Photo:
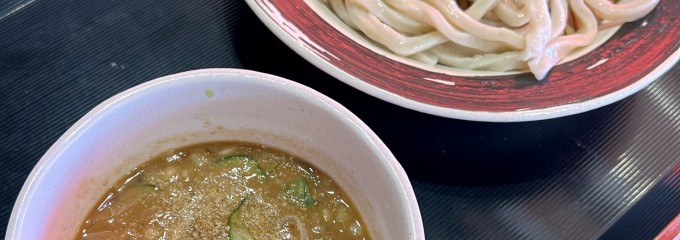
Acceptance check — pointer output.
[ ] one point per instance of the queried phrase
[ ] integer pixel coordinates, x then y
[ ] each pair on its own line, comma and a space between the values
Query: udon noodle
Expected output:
495, 35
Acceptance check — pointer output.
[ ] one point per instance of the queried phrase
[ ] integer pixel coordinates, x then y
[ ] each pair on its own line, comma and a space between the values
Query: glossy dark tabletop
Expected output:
607, 173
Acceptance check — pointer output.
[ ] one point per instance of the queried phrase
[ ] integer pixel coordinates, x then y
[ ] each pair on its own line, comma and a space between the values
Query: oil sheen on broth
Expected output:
224, 190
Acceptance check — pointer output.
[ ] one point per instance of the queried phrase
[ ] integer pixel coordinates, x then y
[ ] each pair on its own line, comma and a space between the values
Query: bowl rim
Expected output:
67, 138
275, 21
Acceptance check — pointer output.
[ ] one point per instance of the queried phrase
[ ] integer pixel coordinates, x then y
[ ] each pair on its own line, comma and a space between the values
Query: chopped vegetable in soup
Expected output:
224, 190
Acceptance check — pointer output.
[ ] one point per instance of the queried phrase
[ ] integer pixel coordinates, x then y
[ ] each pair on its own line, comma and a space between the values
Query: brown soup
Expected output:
224, 190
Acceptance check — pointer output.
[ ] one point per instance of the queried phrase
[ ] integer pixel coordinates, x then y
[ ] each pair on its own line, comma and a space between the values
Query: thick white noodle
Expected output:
559, 47
622, 12
425, 57
393, 40
424, 12
458, 18
393, 18
497, 35
505, 61
492, 19
559, 13
338, 6
479, 8
511, 14
539, 34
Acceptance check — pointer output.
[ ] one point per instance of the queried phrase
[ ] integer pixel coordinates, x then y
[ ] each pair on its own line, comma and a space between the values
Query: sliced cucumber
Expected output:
299, 192
237, 230
148, 186
236, 233
246, 164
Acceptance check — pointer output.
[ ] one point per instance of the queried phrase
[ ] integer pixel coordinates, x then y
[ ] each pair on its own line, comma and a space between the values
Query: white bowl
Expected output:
207, 105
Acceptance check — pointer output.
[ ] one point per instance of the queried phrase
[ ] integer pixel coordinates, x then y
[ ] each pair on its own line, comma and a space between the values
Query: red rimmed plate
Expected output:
636, 55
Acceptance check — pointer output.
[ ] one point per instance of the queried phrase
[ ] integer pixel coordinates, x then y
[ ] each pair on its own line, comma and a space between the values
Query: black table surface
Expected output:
607, 173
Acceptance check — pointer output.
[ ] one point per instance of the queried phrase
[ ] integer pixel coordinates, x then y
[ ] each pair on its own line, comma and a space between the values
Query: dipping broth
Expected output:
224, 190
